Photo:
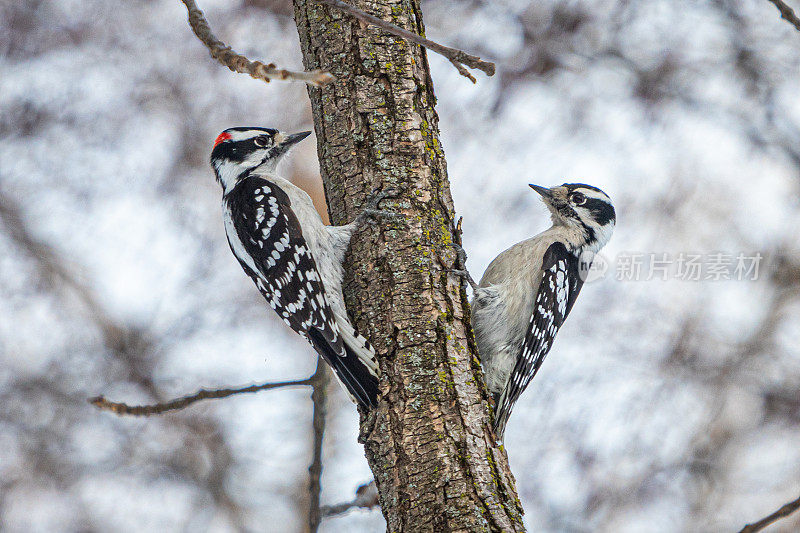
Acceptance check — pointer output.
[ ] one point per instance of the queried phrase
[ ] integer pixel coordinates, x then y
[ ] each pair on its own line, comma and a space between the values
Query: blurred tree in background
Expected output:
668, 404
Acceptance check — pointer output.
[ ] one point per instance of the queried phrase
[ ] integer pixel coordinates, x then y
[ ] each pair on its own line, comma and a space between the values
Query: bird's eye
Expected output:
578, 199
261, 141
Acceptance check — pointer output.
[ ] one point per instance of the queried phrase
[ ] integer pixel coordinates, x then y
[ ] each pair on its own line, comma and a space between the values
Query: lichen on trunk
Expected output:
428, 444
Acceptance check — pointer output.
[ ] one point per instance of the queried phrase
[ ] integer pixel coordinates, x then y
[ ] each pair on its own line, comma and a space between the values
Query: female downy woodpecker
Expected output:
295, 260
528, 290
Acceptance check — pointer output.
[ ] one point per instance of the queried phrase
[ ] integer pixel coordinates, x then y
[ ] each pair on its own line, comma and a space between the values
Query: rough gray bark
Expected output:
429, 444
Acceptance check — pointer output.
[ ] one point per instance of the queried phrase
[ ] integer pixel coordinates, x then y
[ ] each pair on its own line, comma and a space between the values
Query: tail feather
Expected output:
502, 410
356, 377
367, 380
357, 343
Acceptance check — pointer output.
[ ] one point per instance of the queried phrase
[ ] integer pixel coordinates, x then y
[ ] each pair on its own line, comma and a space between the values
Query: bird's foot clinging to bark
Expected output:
372, 211
459, 268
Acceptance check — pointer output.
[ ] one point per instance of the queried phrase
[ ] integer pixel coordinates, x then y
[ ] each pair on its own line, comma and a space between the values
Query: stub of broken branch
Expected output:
366, 498
458, 58
120, 408
239, 63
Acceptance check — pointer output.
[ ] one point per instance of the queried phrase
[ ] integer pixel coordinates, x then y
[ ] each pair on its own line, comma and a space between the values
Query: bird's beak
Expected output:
546, 193
294, 138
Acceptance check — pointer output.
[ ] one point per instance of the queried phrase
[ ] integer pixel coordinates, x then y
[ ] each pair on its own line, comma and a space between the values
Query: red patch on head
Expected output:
224, 136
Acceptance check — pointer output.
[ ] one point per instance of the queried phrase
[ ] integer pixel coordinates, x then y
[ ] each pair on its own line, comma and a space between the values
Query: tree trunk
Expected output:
428, 444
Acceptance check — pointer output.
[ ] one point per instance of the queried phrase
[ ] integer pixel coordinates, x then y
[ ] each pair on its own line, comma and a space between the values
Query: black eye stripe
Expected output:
238, 151
601, 211
229, 150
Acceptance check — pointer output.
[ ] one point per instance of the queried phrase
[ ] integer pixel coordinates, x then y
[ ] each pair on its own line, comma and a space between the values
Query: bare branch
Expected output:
180, 403
783, 512
319, 398
366, 498
458, 58
787, 13
239, 63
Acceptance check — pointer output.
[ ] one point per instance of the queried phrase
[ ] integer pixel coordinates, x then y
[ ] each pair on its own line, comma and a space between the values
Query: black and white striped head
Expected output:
584, 207
238, 151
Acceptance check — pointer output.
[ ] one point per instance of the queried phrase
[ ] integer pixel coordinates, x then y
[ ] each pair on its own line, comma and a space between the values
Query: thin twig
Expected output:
319, 398
239, 63
180, 403
458, 58
784, 511
787, 13
366, 498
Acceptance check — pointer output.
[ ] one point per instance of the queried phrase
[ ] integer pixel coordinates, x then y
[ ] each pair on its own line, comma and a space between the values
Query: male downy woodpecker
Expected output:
528, 290
295, 260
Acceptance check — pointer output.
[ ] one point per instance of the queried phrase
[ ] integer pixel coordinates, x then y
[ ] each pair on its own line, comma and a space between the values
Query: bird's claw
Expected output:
372, 212
378, 196
461, 266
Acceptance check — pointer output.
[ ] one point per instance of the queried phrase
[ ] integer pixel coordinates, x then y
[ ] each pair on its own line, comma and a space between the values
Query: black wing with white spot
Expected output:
558, 289
267, 239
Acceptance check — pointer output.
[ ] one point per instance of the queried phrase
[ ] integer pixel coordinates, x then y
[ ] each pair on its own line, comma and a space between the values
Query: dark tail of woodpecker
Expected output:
352, 373
501, 414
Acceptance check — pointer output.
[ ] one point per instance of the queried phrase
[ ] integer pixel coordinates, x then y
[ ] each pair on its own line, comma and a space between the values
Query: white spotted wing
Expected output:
267, 239
558, 289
